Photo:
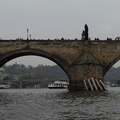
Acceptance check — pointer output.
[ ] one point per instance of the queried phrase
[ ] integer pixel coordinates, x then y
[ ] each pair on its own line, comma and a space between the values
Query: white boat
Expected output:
4, 86
58, 85
113, 85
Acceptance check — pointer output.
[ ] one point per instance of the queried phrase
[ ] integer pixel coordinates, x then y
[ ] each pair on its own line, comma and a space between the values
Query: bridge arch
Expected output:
112, 74
32, 82
114, 61
30, 51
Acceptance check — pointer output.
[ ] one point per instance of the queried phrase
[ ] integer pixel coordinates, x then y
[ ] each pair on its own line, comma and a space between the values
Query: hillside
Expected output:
46, 72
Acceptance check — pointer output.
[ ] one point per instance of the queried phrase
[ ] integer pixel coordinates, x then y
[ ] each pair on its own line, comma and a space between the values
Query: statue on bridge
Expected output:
85, 33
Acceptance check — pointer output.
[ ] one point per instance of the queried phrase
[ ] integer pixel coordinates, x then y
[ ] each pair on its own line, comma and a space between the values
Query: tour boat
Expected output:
58, 85
4, 86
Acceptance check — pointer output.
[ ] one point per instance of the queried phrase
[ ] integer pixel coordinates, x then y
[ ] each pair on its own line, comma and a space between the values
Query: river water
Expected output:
59, 104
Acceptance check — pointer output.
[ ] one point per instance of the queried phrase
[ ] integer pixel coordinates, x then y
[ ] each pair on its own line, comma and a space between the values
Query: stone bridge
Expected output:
81, 59
22, 83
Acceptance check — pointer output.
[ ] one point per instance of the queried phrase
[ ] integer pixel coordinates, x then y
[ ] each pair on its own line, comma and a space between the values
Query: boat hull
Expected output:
2, 86
57, 87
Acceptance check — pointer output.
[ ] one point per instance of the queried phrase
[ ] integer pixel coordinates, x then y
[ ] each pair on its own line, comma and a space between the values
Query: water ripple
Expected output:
45, 104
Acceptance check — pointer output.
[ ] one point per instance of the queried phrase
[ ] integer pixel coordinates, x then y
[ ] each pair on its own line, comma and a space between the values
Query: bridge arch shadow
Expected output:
35, 52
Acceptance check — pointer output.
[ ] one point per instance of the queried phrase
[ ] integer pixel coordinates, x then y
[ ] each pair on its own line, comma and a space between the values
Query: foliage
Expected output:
50, 72
39, 72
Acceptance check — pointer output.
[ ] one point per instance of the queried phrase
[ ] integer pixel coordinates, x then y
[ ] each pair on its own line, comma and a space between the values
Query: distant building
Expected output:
2, 70
2, 73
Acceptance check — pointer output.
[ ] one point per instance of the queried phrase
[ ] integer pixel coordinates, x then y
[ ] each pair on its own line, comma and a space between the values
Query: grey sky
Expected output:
59, 18
31, 60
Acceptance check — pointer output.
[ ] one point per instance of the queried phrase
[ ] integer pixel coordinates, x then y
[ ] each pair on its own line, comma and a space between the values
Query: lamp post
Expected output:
27, 33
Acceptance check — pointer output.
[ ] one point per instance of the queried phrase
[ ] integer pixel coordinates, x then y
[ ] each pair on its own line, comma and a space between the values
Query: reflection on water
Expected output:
48, 104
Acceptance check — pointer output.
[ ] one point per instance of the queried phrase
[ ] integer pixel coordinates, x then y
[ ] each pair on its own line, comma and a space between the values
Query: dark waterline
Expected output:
51, 104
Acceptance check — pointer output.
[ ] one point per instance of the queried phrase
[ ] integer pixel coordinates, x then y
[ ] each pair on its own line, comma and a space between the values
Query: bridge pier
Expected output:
87, 77
20, 84
88, 85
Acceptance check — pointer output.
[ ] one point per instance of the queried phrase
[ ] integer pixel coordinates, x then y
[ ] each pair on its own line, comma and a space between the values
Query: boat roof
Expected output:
60, 82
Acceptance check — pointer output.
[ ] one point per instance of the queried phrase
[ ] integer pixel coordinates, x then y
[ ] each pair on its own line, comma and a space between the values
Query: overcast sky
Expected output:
59, 18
